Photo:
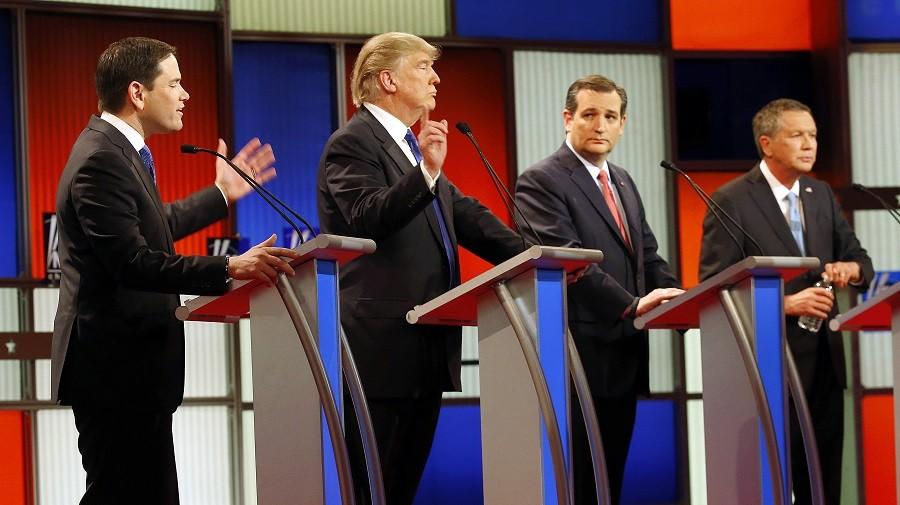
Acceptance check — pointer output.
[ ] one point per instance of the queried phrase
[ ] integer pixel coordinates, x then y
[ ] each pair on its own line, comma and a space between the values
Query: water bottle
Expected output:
810, 323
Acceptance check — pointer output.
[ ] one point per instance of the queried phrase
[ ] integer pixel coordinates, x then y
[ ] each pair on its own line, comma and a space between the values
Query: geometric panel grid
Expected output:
874, 82
202, 437
60, 477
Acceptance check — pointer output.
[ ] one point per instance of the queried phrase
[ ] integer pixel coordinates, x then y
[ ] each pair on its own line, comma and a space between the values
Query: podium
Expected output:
301, 456
879, 313
744, 362
519, 307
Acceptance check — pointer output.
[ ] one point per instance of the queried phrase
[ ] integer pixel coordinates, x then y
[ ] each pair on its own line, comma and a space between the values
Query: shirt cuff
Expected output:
631, 310
223, 194
431, 181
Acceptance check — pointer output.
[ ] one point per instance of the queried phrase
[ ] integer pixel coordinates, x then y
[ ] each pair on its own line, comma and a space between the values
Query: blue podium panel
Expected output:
636, 21
284, 94
8, 193
330, 349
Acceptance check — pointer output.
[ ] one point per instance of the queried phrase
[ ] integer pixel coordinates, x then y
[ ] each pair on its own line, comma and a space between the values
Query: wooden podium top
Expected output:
874, 314
235, 303
459, 306
683, 312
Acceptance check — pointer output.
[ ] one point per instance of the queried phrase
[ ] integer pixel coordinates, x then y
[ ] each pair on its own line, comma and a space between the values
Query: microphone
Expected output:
891, 210
264, 193
714, 208
507, 198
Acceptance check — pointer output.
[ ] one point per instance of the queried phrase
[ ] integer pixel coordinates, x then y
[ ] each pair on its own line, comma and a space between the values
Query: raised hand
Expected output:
254, 159
433, 143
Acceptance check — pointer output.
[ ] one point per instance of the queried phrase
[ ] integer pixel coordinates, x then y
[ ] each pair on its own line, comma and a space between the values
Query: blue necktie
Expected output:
436, 205
148, 162
795, 222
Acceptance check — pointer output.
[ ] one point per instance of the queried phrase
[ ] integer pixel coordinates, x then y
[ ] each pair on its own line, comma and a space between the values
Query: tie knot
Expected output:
413, 145
148, 162
604, 177
791, 197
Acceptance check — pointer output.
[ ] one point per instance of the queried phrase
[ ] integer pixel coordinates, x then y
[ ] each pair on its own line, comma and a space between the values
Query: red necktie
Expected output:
613, 208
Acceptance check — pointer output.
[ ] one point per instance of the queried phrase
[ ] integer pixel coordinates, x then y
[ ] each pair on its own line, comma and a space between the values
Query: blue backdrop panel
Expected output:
716, 99
635, 21
8, 198
283, 94
873, 20
453, 474
651, 473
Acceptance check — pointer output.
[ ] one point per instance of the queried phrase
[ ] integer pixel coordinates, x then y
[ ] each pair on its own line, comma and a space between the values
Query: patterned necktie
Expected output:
613, 208
794, 221
148, 162
436, 205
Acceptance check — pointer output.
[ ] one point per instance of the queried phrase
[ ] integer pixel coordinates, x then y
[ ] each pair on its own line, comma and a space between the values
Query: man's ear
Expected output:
136, 96
387, 82
567, 120
765, 145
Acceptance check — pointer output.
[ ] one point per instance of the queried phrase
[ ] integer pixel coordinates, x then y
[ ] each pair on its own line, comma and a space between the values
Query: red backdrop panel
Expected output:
878, 448
743, 25
691, 212
60, 64
472, 89
12, 458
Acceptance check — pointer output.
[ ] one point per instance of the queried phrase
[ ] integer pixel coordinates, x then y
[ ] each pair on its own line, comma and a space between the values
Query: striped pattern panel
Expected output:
696, 452
206, 359
45, 302
874, 81
541, 81
423, 17
60, 477
471, 385
875, 347
65, 48
187, 5
246, 365
249, 462
202, 437
10, 379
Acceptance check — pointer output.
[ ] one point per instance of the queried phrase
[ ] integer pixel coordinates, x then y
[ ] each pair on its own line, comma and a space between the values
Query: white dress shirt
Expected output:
397, 130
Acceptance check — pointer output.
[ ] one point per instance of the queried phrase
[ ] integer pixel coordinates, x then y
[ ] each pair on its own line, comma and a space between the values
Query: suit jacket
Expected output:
368, 188
116, 341
566, 208
827, 235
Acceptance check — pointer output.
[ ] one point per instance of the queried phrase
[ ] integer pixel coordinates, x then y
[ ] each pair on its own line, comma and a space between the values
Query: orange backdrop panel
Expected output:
691, 212
472, 89
741, 24
60, 64
12, 458
878, 448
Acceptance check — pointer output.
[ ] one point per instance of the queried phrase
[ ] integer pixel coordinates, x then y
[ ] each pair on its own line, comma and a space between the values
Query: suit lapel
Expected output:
402, 164
586, 184
630, 204
765, 201
810, 200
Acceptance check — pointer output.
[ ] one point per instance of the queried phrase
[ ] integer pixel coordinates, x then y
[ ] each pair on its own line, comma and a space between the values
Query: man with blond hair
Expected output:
377, 180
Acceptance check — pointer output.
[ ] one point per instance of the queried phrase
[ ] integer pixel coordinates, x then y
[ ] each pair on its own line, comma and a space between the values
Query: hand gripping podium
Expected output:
301, 456
519, 307
745, 364
880, 312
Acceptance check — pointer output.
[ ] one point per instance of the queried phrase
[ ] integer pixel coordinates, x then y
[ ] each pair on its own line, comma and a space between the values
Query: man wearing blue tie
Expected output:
377, 180
792, 214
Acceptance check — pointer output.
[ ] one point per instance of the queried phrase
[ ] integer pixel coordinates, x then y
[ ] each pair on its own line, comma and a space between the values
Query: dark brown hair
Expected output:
127, 60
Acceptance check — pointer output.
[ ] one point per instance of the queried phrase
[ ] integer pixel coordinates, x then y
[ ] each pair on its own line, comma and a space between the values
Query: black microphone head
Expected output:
463, 128
188, 149
667, 165
857, 186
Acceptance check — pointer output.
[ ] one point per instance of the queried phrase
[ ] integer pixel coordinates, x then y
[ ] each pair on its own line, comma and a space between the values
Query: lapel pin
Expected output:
807, 189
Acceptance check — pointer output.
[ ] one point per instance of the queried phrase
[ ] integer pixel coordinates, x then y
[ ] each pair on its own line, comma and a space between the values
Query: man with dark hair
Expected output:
792, 214
376, 180
576, 198
118, 351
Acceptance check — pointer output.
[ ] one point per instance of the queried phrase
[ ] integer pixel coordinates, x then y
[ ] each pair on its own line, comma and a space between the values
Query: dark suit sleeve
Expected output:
196, 212
480, 231
847, 246
107, 212
657, 272
358, 185
717, 250
542, 201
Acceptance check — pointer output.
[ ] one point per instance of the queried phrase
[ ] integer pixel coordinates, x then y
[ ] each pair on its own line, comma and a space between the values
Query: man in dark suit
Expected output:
118, 351
792, 214
376, 180
575, 198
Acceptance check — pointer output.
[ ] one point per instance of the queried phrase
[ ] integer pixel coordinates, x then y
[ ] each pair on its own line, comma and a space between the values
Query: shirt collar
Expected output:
592, 169
134, 138
395, 128
778, 189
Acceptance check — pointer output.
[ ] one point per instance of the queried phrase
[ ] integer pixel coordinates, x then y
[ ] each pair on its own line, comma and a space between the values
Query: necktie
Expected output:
794, 221
148, 162
613, 208
436, 205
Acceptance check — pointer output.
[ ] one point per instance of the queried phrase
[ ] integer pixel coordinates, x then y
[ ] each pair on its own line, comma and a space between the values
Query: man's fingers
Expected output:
267, 242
